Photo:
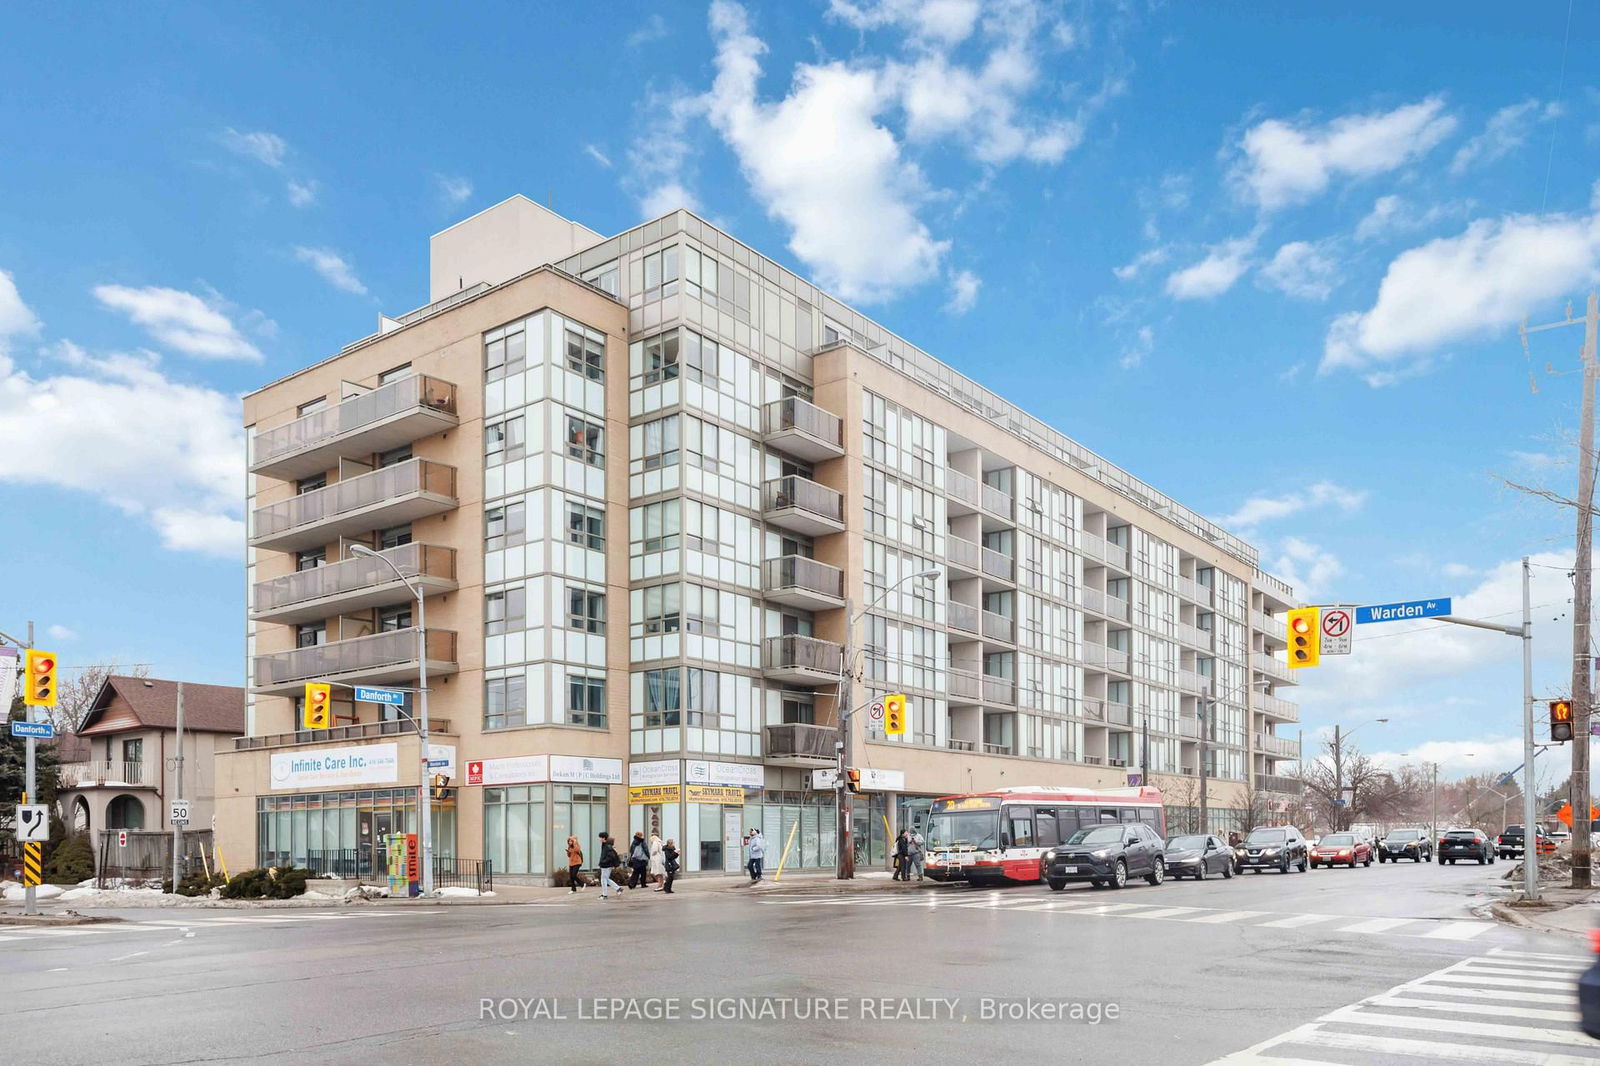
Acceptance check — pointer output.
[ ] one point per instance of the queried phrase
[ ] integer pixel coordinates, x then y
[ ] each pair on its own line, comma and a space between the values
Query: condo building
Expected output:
664, 501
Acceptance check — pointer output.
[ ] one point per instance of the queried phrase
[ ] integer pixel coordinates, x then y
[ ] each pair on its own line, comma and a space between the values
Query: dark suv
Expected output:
1410, 844
1510, 843
1107, 855
1465, 844
1277, 848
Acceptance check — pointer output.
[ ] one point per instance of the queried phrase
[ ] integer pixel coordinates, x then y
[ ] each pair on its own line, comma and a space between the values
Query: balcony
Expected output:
998, 627
998, 749
390, 496
1100, 550
965, 496
378, 659
1194, 592
998, 565
996, 501
394, 727
795, 660
1104, 603
963, 555
801, 744
354, 585
1107, 712
999, 690
964, 617
1098, 655
961, 745
801, 428
1288, 786
797, 581
1273, 707
391, 415
1272, 667
1191, 682
802, 505
1188, 726
965, 686
1277, 747
115, 773
1195, 637
1275, 628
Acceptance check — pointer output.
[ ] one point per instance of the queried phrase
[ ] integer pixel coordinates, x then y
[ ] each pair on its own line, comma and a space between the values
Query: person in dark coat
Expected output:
902, 856
638, 861
669, 856
609, 860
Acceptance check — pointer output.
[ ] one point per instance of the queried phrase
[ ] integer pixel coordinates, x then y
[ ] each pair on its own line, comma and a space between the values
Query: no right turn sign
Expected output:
1337, 622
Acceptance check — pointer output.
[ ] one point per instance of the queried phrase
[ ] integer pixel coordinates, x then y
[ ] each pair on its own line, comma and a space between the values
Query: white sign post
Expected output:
180, 812
1337, 623
33, 823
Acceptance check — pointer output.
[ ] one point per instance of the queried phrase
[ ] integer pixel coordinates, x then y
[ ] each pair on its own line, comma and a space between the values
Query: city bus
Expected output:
998, 837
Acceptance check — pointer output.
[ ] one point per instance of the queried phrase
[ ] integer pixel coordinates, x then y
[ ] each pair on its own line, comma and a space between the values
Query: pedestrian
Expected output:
902, 856
658, 869
758, 851
917, 853
669, 863
609, 860
574, 862
638, 860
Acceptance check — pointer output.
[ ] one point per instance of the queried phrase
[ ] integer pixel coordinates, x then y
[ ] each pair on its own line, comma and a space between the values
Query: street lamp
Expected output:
847, 858
1338, 768
1200, 708
424, 795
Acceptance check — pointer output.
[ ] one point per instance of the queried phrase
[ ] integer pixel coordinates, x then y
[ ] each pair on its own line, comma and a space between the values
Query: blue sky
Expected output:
1270, 262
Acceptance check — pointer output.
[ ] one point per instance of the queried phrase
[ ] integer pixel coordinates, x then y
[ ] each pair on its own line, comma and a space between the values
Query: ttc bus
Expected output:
998, 837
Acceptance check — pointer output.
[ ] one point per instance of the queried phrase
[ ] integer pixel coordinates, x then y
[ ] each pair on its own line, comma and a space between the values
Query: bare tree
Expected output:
1374, 793
1183, 805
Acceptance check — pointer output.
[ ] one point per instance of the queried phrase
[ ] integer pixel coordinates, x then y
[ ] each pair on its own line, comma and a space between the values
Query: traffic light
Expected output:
1305, 640
441, 786
39, 678
894, 715
852, 780
319, 706
1560, 721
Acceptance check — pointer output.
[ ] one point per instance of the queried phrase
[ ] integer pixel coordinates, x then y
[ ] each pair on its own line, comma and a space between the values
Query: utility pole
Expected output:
1581, 694
30, 900
177, 830
1204, 719
1338, 777
843, 698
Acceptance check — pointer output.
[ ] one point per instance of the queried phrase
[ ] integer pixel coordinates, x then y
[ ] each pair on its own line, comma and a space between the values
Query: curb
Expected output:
1512, 916
56, 919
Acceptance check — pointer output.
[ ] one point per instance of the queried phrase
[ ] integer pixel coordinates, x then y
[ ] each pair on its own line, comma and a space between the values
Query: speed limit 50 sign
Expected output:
1337, 622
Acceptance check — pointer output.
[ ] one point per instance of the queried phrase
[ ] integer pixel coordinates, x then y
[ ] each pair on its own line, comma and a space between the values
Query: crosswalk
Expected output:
1509, 1008
170, 925
1095, 905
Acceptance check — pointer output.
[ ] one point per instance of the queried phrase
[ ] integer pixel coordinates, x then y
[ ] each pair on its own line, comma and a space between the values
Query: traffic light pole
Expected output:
30, 899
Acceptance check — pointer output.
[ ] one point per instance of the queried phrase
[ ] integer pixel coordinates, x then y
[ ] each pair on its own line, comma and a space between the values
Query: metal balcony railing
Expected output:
1278, 588
101, 772
998, 627
1102, 656
793, 415
1194, 591
1097, 547
963, 553
963, 488
996, 501
1194, 636
394, 727
1118, 713
1189, 681
998, 565
965, 685
803, 573
794, 491
795, 652
963, 616
418, 391
1277, 708
800, 739
1002, 690
1271, 666
379, 651
1276, 746
1291, 786
1188, 726
353, 575
353, 494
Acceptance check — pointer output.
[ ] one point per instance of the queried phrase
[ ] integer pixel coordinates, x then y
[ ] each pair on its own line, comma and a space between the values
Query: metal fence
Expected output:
146, 855
465, 873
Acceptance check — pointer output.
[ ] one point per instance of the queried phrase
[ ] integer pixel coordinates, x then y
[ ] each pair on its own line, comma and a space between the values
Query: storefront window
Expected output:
344, 833
513, 829
580, 811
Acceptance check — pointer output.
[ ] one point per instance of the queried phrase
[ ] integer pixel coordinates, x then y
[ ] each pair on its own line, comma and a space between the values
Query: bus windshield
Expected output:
975, 829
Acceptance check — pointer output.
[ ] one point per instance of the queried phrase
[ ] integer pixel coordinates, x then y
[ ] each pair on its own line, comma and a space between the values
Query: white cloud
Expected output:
1150, 257
1134, 353
1505, 132
180, 320
117, 428
1488, 754
302, 193
452, 190
263, 147
1302, 270
963, 292
1392, 216
1308, 569
597, 155
1540, 461
1215, 274
333, 268
59, 632
1469, 286
16, 317
1458, 570
1283, 163
653, 28
668, 197
947, 22
1258, 509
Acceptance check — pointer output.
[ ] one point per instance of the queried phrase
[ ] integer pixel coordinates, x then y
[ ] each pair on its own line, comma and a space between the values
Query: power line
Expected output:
1561, 87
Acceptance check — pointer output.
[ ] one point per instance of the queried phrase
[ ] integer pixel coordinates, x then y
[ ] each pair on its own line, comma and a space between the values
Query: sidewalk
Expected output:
1567, 911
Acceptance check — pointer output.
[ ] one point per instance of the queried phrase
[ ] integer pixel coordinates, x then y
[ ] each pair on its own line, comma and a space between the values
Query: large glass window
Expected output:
661, 697
660, 443
503, 441
705, 699
505, 527
505, 351
505, 702
586, 352
586, 525
586, 440
513, 829
586, 701
505, 610
661, 358
580, 811
659, 525
586, 610
662, 608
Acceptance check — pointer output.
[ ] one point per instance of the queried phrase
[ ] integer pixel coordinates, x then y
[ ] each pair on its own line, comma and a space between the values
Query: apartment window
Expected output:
605, 277
394, 536
701, 357
586, 353
660, 525
133, 750
699, 274
503, 441
660, 446
704, 705
311, 558
505, 702
586, 701
709, 447
394, 373
661, 272
505, 610
709, 529
401, 454
702, 612
505, 527
586, 526
661, 358
310, 634
311, 484
505, 351
586, 610
662, 608
799, 710
586, 440
661, 697
311, 406
391, 619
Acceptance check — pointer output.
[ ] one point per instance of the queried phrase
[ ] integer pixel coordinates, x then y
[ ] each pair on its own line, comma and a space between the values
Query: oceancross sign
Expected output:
366, 764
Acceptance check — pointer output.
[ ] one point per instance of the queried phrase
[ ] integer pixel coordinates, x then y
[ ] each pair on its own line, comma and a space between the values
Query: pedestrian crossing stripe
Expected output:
169, 925
32, 864
1096, 906
1436, 1018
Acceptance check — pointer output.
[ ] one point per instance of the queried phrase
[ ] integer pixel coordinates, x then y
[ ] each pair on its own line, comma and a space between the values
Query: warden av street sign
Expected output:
1399, 612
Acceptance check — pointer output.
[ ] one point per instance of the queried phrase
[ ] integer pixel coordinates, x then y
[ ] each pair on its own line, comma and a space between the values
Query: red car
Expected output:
1346, 848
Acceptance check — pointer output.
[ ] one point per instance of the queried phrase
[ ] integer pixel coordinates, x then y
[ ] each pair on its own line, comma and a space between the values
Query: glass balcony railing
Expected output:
355, 494
998, 565
801, 740
418, 392
963, 553
799, 574
1278, 708
999, 689
996, 501
961, 487
998, 627
378, 653
963, 616
804, 498
354, 575
795, 653
965, 685
1290, 786
802, 428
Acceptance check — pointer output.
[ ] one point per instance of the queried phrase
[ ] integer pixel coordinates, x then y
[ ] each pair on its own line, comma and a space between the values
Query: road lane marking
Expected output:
1544, 1014
1458, 977
1294, 921
1426, 1049
1226, 916
1376, 925
1459, 931
1165, 912
1516, 995
1355, 1015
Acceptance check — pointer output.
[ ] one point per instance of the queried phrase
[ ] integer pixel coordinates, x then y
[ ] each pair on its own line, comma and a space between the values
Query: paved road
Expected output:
1364, 966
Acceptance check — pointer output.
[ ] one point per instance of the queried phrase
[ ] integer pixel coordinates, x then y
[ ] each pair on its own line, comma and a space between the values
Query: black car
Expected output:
1106, 855
1510, 843
1198, 855
1465, 844
1277, 848
1410, 844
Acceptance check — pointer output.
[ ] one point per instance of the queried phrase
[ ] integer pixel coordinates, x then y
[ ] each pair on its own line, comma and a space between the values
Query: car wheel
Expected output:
1057, 885
1491, 859
1481, 860
1200, 871
1119, 874
1302, 865
1158, 872
1283, 865
1227, 872
1368, 862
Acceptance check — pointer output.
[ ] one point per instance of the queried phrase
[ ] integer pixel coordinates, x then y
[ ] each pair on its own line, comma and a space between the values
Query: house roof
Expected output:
154, 703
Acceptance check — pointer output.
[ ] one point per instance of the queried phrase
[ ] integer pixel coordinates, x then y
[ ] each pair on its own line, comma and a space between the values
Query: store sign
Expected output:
650, 794
442, 759
368, 764
661, 772
713, 794
745, 775
882, 780
585, 769
516, 770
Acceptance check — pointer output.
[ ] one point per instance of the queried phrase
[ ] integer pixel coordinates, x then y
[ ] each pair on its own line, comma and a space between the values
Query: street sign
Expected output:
1135, 780
438, 764
875, 712
33, 822
1399, 612
380, 695
36, 730
1337, 622
179, 814
822, 780
1565, 814
122, 838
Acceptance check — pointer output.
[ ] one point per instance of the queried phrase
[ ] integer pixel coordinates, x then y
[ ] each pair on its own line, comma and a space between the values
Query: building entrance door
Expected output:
732, 851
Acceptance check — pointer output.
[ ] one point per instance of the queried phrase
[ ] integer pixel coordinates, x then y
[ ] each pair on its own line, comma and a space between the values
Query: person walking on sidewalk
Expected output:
917, 854
658, 869
669, 863
902, 856
758, 851
638, 860
609, 860
574, 862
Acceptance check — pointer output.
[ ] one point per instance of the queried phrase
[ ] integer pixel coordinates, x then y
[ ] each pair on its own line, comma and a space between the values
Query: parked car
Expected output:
1276, 848
1410, 844
1465, 844
1336, 848
1509, 843
1198, 855
1107, 855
